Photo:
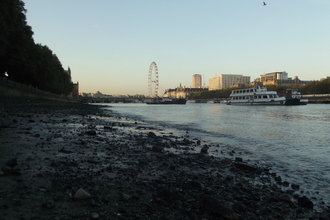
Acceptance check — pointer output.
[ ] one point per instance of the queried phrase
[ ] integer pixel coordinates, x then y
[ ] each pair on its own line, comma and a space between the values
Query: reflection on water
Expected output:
292, 139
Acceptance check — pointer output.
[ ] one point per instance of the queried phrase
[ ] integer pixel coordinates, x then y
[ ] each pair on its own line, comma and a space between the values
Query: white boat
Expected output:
257, 95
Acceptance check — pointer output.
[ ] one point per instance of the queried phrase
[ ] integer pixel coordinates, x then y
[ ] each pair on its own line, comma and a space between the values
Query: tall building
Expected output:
197, 81
223, 81
279, 78
274, 76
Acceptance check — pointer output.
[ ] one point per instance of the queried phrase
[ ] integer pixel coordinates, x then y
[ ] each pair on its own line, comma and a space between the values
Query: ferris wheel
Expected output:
153, 80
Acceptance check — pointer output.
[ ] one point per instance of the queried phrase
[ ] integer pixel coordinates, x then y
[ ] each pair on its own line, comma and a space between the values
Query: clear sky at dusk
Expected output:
110, 44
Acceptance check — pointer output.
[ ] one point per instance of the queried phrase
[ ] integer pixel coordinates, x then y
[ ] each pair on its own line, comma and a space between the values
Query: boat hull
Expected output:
296, 101
256, 103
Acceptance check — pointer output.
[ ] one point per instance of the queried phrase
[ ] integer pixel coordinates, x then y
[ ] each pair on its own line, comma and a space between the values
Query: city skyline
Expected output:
109, 45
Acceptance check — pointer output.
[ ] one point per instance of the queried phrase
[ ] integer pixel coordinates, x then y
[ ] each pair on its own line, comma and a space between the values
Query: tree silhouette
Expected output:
22, 60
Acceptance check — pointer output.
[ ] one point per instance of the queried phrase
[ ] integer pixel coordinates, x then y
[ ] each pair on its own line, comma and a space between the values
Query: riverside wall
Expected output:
13, 89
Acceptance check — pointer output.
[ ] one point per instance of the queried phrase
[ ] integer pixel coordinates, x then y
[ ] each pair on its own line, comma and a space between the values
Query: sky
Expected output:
110, 44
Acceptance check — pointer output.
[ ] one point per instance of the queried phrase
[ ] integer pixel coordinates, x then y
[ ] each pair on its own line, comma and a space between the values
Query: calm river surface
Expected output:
293, 141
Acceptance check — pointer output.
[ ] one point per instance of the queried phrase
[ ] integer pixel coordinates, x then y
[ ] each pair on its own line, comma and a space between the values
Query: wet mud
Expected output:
76, 161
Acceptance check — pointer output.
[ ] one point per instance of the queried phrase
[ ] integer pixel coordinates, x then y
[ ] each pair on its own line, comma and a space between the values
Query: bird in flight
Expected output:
264, 4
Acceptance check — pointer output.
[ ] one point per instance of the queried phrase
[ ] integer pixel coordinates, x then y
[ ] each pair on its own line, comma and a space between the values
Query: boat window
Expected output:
264, 96
244, 90
259, 96
243, 97
255, 97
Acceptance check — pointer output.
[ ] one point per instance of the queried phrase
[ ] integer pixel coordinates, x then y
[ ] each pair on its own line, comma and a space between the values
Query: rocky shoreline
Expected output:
74, 161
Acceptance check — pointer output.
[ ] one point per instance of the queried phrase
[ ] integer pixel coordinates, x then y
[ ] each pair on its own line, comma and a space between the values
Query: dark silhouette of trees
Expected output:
316, 87
223, 93
23, 61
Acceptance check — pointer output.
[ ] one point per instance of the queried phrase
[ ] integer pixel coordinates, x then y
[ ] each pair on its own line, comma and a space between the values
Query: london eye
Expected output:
153, 80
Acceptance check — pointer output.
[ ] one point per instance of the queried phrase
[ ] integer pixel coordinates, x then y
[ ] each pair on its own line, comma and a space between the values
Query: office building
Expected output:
197, 81
223, 81
278, 78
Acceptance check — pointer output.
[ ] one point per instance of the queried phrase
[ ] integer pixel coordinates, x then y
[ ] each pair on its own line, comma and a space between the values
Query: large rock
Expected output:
305, 202
152, 135
244, 166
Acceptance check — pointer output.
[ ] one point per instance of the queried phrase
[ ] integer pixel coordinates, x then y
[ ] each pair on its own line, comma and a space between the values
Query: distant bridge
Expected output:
111, 100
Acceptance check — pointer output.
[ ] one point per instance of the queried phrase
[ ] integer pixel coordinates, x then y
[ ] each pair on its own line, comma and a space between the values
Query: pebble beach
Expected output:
65, 160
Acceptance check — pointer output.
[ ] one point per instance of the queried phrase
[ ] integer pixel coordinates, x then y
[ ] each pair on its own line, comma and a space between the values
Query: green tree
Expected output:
23, 60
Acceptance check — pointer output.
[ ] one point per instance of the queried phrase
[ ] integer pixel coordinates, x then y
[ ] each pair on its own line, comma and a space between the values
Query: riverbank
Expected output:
78, 162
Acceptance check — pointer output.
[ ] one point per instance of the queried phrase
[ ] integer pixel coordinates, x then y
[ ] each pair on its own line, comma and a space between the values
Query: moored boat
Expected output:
292, 97
258, 95
166, 101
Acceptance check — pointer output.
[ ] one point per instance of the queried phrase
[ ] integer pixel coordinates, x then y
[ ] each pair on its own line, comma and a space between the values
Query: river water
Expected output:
293, 141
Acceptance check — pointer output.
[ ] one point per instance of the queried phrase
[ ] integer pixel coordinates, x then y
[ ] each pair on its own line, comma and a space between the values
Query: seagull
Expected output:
264, 4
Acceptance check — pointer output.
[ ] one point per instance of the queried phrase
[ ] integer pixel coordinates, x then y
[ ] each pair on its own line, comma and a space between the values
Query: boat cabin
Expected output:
255, 95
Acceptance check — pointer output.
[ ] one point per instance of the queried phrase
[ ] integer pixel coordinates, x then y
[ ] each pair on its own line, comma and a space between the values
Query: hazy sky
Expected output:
110, 44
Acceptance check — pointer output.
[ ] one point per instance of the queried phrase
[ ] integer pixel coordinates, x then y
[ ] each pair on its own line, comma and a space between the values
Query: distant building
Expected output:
98, 94
197, 81
182, 92
278, 78
83, 94
223, 81
75, 89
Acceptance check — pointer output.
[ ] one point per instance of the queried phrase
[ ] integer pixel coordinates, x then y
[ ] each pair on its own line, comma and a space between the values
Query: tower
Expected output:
197, 81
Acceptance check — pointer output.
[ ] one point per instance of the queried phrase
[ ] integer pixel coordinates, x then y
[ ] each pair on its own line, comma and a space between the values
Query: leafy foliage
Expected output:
224, 93
317, 87
23, 60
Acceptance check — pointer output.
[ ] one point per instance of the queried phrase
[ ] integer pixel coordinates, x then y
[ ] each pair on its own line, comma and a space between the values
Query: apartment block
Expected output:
223, 81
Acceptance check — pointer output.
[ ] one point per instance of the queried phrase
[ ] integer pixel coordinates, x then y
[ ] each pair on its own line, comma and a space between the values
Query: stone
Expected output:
125, 197
95, 215
243, 166
216, 206
91, 132
305, 202
63, 150
204, 149
157, 149
295, 186
48, 204
152, 135
82, 194
12, 163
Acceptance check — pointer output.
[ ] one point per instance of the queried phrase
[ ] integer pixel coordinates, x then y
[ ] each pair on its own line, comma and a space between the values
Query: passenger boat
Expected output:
292, 96
166, 101
258, 95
